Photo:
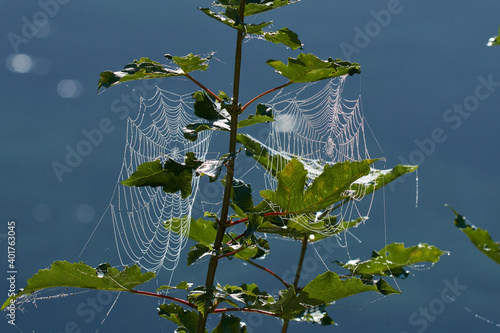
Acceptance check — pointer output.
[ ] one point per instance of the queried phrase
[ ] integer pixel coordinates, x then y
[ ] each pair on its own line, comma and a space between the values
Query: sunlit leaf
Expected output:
299, 227
235, 23
309, 68
190, 62
145, 68
80, 275
479, 237
213, 168
172, 176
391, 260
181, 285
329, 287
141, 69
377, 179
294, 197
252, 8
284, 36
273, 163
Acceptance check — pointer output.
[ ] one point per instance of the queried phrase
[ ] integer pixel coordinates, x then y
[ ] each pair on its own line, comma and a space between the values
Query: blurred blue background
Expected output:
419, 64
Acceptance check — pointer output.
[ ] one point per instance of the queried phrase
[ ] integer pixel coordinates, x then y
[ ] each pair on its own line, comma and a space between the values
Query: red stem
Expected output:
175, 299
268, 271
265, 93
203, 87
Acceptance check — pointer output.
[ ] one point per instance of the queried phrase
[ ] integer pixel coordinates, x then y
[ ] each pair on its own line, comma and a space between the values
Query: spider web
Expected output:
317, 125
139, 213
313, 123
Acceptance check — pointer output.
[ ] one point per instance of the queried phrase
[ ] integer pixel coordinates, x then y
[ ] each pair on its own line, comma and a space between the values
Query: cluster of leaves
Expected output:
301, 208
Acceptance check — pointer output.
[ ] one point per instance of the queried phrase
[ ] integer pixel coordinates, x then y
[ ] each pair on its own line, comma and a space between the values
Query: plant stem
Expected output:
202, 86
175, 299
297, 275
212, 265
268, 271
301, 261
265, 93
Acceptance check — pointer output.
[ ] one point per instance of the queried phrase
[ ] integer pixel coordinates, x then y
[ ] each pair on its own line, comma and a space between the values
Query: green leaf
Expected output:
329, 287
182, 285
141, 69
479, 237
495, 40
190, 62
200, 230
230, 324
329, 187
145, 68
377, 179
241, 198
256, 149
252, 8
213, 168
300, 227
203, 297
186, 319
197, 252
236, 23
309, 68
284, 36
391, 260
207, 108
172, 176
80, 275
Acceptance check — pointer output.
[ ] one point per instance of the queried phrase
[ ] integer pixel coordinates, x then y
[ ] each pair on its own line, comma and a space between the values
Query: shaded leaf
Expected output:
203, 297
479, 237
309, 68
391, 260
230, 324
207, 108
186, 319
172, 176
197, 252
80, 275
